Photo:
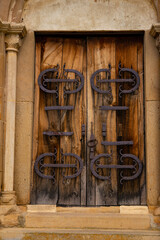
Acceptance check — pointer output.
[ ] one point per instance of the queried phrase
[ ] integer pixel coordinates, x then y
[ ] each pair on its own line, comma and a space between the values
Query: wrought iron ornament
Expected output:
40, 165
135, 80
47, 76
135, 172
45, 80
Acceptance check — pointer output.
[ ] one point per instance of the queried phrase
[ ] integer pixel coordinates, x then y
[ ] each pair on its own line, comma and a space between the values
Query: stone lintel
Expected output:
155, 33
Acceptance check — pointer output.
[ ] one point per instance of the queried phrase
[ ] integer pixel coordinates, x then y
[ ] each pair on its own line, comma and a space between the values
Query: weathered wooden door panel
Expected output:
129, 51
101, 53
93, 126
61, 54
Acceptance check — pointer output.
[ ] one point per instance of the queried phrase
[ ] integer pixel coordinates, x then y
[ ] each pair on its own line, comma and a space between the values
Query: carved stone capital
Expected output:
14, 32
8, 198
12, 42
155, 32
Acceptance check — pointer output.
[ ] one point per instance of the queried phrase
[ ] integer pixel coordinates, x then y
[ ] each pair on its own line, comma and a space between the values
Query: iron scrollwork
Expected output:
135, 173
134, 80
44, 79
40, 165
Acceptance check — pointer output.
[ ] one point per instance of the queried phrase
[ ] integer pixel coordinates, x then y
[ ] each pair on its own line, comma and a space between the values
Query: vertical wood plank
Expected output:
46, 190
131, 121
91, 181
71, 121
141, 118
102, 52
36, 120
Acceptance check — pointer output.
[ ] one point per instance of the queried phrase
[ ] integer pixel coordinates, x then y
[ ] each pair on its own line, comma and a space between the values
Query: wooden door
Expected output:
88, 138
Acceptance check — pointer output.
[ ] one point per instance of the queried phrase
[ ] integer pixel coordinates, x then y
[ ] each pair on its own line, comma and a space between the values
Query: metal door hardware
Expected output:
103, 129
96, 77
118, 143
92, 143
113, 108
134, 174
52, 75
40, 164
83, 130
50, 133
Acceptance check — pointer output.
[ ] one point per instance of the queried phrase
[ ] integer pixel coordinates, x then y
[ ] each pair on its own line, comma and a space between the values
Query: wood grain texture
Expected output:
101, 53
88, 54
132, 121
73, 58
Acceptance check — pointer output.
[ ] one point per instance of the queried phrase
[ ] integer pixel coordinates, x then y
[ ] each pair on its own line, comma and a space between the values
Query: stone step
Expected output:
80, 220
81, 234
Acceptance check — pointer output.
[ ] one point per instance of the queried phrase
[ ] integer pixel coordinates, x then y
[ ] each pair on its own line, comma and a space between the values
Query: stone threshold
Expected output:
116, 209
48, 216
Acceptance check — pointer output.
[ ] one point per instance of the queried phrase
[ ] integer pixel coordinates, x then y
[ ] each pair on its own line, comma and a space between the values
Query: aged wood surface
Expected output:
71, 121
101, 53
128, 51
88, 54
53, 52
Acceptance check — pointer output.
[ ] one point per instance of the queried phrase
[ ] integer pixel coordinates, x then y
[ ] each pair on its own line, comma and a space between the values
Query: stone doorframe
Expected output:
17, 125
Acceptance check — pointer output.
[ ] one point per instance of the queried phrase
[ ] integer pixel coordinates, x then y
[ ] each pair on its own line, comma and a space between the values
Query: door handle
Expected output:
83, 130
92, 143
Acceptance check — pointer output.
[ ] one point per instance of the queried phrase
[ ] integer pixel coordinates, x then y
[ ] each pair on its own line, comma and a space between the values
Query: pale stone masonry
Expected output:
13, 34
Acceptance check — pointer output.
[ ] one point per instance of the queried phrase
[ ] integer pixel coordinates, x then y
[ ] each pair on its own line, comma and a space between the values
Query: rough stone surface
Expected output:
152, 151
157, 211
34, 234
88, 15
9, 209
24, 117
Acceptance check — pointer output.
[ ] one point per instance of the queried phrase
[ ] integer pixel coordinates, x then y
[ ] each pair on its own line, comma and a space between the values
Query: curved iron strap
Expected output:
110, 166
136, 161
107, 70
43, 84
40, 158
135, 76
45, 80
81, 77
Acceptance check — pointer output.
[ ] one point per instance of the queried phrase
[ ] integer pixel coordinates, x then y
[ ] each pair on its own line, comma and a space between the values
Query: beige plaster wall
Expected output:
88, 15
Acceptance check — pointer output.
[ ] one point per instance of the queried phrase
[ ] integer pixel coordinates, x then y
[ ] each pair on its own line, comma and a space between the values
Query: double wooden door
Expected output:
88, 138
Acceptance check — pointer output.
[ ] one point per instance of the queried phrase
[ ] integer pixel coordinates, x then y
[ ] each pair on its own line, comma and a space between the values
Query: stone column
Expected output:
155, 32
13, 36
